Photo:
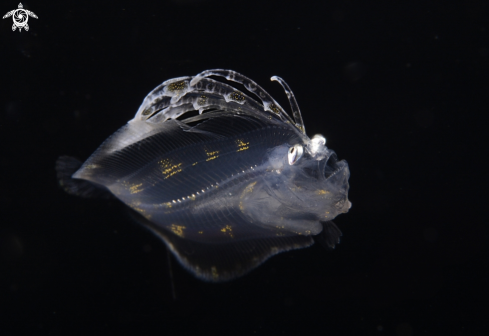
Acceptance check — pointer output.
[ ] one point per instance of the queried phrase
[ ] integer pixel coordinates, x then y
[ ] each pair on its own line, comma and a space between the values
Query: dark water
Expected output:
399, 89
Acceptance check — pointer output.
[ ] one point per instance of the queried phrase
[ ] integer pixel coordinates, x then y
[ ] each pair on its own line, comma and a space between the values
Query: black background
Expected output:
400, 90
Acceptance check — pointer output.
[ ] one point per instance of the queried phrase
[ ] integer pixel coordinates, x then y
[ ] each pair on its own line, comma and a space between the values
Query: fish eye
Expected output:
295, 153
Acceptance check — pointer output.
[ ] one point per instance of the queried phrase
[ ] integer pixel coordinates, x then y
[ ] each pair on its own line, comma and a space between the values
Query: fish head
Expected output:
308, 180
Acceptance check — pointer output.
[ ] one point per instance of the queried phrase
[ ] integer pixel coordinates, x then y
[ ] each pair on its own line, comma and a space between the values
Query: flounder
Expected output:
225, 187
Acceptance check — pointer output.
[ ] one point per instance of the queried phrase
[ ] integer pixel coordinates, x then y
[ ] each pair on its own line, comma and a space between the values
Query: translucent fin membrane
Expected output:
268, 102
178, 96
228, 260
330, 236
296, 112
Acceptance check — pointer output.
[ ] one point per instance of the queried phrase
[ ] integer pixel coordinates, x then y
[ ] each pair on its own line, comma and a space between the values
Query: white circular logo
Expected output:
20, 17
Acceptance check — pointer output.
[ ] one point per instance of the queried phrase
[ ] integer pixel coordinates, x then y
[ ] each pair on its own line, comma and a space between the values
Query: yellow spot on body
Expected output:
169, 168
177, 229
177, 86
247, 190
237, 96
249, 187
135, 206
212, 155
165, 205
135, 188
274, 108
201, 232
322, 192
202, 100
229, 230
193, 164
242, 145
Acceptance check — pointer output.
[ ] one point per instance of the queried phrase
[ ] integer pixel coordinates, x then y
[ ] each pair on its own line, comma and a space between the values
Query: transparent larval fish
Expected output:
225, 188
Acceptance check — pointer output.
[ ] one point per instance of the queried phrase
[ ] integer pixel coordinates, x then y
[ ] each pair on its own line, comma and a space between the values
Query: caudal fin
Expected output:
66, 166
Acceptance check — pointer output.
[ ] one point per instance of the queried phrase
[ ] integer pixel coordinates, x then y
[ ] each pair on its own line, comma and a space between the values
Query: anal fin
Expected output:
219, 262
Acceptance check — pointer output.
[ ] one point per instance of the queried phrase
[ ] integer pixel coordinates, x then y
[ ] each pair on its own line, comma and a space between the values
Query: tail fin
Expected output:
66, 166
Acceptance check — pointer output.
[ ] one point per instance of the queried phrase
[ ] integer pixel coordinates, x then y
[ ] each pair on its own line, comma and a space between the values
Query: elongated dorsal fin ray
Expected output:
268, 102
296, 112
175, 97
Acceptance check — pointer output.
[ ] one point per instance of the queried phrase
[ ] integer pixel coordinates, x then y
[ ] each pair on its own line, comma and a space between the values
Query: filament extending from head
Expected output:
296, 112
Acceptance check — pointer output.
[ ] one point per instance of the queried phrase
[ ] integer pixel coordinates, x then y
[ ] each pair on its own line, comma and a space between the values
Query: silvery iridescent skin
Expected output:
227, 188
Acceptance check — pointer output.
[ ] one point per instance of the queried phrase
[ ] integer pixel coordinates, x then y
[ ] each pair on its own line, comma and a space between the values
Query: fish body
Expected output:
228, 187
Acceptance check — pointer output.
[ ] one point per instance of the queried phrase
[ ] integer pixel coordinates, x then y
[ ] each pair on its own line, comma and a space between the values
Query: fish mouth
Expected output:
333, 166
336, 174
